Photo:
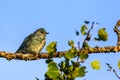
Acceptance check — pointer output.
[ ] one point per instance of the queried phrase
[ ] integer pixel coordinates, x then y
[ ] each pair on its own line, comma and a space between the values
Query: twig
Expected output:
88, 34
116, 74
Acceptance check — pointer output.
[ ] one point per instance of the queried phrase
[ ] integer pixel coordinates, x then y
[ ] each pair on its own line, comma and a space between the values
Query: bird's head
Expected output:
41, 31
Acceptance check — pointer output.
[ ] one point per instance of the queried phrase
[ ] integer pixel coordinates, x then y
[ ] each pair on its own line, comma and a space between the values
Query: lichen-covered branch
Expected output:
44, 55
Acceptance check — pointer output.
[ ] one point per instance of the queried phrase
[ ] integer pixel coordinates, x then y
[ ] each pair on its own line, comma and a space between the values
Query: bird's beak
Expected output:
47, 33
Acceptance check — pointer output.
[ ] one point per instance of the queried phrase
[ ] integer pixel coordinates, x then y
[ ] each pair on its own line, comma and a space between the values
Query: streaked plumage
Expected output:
33, 43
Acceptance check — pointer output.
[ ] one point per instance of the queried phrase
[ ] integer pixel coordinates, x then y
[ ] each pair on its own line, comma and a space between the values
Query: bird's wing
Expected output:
26, 42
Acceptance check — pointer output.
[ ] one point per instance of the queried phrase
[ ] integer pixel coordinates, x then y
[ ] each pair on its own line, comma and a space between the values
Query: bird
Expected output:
34, 42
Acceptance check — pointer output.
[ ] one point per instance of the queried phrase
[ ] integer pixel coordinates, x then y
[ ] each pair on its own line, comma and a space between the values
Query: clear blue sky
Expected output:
19, 18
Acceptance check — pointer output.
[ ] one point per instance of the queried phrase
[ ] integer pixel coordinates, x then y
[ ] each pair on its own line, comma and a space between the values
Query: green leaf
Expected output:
83, 28
49, 60
51, 48
70, 54
97, 39
86, 45
62, 65
86, 22
75, 64
102, 34
71, 43
53, 71
84, 56
52, 66
77, 33
119, 64
79, 72
95, 65
71, 68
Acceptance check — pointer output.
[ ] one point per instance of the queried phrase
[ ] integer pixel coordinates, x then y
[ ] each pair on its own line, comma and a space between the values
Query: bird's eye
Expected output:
42, 32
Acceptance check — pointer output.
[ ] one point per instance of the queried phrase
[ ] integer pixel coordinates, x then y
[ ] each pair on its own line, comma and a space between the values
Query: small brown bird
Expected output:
33, 43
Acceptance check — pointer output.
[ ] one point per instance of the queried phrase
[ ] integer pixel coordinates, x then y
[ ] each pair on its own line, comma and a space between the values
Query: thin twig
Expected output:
116, 74
88, 34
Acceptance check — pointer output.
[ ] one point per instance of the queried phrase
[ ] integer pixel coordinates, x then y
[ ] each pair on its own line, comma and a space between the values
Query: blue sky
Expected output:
19, 18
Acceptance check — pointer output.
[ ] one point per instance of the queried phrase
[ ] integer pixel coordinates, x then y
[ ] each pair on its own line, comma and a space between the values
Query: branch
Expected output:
117, 30
44, 55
